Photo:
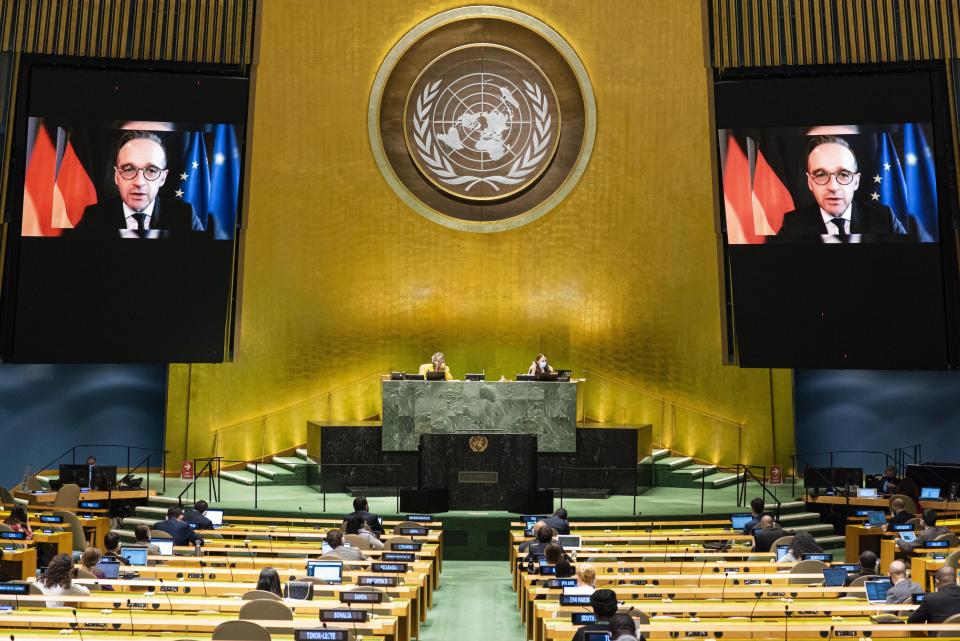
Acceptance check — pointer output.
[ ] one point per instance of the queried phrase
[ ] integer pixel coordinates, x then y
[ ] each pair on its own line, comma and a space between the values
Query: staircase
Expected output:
281, 470
683, 471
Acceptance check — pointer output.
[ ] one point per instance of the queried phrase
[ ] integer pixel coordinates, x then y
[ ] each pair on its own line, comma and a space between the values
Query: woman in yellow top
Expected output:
539, 366
436, 364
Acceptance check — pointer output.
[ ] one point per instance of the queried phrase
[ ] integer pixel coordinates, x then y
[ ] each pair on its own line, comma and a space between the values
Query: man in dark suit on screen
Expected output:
833, 178
139, 171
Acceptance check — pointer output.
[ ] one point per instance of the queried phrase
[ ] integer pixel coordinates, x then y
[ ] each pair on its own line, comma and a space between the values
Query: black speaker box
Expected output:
424, 501
535, 502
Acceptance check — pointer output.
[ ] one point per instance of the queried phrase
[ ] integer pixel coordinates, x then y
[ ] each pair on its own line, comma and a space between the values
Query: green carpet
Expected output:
475, 603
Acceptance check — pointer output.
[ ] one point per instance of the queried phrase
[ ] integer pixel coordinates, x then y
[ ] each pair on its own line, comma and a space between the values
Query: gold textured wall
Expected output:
340, 281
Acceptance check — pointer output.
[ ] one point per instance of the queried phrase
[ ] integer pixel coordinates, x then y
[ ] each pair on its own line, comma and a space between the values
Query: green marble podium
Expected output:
412, 408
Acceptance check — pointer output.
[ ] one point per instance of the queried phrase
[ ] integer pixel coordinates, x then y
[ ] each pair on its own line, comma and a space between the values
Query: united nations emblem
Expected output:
465, 118
479, 443
484, 131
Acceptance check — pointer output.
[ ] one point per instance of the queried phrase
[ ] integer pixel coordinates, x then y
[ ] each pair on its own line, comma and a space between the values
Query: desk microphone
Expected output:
166, 594
79, 628
759, 595
702, 569
133, 630
229, 564
253, 562
203, 577
723, 588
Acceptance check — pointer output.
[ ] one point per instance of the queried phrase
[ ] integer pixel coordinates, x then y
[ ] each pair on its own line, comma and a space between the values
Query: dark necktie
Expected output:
839, 223
141, 219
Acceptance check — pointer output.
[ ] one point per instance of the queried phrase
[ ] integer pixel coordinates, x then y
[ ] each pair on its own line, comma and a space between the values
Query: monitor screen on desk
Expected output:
876, 519
165, 545
103, 477
867, 492
931, 493
739, 521
134, 556
436, 376
329, 571
77, 474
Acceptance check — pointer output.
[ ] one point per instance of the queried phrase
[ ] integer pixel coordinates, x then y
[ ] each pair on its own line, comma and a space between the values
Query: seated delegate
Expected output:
436, 364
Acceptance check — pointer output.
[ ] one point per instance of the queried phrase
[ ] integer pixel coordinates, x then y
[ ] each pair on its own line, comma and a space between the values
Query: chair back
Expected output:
84, 574
396, 528
807, 567
917, 523
32, 484
639, 618
5, 496
5, 528
266, 610
160, 534
357, 542
783, 540
953, 618
908, 503
67, 496
388, 544
261, 594
949, 536
240, 631
34, 588
76, 527
953, 560
860, 580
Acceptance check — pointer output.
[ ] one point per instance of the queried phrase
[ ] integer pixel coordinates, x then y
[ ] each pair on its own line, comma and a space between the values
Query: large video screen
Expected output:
123, 221
836, 218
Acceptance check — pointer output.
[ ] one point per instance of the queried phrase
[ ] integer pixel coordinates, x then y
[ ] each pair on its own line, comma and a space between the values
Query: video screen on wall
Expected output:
837, 229
123, 221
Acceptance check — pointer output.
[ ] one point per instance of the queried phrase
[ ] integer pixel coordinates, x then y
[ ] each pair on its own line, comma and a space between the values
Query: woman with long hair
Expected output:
803, 543
57, 581
18, 521
269, 581
540, 366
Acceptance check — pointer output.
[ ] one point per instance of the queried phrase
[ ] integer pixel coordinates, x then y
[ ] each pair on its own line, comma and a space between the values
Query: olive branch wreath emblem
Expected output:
439, 164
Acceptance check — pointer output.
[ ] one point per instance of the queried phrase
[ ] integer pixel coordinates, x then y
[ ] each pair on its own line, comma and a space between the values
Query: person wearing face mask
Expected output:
540, 366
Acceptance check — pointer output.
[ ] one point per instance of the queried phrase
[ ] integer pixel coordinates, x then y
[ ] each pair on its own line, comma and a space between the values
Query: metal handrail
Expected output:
748, 472
152, 452
636, 476
323, 486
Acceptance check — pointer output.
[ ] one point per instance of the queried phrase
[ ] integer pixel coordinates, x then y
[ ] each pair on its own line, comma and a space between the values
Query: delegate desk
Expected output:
45, 499
412, 408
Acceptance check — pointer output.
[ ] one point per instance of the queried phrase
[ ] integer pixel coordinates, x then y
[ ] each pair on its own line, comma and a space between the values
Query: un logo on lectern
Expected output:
482, 118
479, 443
482, 132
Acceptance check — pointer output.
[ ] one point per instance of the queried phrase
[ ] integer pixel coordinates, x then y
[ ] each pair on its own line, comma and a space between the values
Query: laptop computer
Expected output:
436, 376
739, 521
782, 551
876, 519
134, 556
165, 545
834, 577
909, 537
216, 517
866, 492
110, 568
877, 590
930, 493
329, 571
569, 542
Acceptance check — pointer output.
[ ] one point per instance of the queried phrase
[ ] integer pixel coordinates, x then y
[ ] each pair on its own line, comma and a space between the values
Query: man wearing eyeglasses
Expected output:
139, 172
833, 178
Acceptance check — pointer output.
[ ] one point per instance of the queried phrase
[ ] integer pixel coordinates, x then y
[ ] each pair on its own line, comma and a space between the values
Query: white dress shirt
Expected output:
831, 227
132, 222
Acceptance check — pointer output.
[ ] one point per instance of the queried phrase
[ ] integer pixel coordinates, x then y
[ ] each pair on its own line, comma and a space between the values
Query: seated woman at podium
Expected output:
539, 366
436, 364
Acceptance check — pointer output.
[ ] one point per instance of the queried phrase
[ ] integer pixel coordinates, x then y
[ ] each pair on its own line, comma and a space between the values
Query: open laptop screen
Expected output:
110, 569
215, 516
165, 545
135, 556
739, 521
834, 577
569, 541
877, 590
782, 551
330, 571
929, 492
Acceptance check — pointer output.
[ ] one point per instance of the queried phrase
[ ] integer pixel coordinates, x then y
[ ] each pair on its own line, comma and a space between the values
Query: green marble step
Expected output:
696, 471
292, 463
244, 477
674, 462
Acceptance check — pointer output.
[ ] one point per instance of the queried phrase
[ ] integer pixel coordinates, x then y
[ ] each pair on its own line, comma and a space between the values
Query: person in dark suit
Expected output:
140, 170
943, 603
559, 521
931, 531
604, 604
756, 509
833, 179
197, 516
544, 538
898, 512
766, 533
174, 526
361, 508
868, 567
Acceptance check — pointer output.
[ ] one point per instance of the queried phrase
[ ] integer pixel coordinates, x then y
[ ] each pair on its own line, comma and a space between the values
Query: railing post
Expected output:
396, 476
163, 470
256, 483
703, 488
323, 488
561, 487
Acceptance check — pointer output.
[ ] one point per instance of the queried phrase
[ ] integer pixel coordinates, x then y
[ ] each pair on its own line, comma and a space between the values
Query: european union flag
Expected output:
890, 187
224, 181
195, 181
921, 181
